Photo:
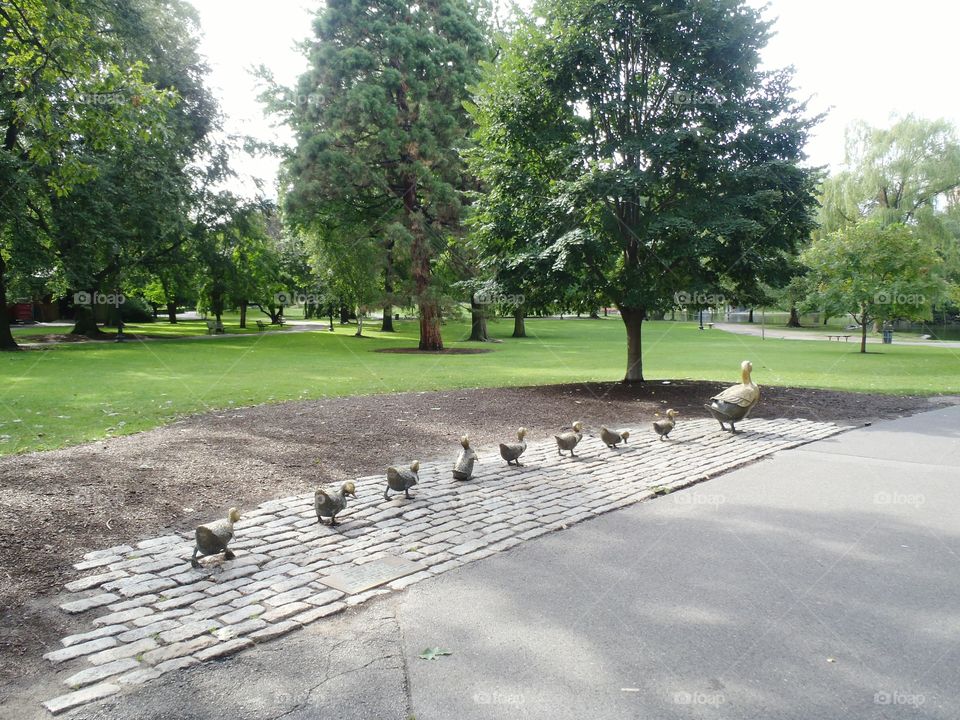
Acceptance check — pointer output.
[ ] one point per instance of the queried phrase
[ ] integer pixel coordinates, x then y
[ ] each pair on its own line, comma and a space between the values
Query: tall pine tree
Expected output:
379, 120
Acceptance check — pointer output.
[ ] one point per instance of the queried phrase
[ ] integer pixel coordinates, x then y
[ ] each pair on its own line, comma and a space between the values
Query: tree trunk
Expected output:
172, 312
863, 331
430, 338
387, 325
594, 314
243, 314
344, 315
359, 332
519, 322
6, 336
633, 321
430, 326
85, 322
750, 317
794, 320
478, 321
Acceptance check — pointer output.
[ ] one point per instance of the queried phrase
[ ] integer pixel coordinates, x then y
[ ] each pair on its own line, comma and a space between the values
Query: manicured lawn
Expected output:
71, 393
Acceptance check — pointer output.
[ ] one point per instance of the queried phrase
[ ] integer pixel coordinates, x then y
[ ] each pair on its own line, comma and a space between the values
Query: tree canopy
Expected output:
647, 152
875, 272
379, 120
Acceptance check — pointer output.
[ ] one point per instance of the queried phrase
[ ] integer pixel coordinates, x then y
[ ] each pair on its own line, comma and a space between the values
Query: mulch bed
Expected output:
58, 505
445, 351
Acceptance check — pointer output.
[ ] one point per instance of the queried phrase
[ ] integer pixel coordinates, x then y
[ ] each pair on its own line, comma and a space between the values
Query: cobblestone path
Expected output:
148, 612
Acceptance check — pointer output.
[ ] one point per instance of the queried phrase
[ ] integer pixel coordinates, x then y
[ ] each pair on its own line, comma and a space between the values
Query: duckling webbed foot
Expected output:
228, 555
193, 561
406, 494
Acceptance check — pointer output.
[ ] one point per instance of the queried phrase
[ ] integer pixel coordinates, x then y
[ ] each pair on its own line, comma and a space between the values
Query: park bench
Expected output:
261, 325
214, 327
846, 338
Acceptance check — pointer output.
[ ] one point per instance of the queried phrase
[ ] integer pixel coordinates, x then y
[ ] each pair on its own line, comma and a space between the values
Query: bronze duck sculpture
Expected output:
511, 452
328, 503
463, 467
663, 427
569, 440
401, 480
612, 438
213, 538
735, 403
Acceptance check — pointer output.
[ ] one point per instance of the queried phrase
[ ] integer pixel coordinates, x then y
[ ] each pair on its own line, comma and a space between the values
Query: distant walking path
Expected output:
779, 332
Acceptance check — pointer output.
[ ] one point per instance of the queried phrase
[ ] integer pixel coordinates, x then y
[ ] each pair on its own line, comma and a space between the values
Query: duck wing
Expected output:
609, 437
741, 395
323, 502
511, 451
213, 540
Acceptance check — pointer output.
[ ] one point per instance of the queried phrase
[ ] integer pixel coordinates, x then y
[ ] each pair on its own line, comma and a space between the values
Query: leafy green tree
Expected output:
69, 85
379, 118
348, 276
907, 173
135, 213
874, 272
661, 157
895, 174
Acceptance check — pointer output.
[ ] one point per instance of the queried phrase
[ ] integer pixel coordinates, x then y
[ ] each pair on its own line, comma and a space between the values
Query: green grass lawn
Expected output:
66, 394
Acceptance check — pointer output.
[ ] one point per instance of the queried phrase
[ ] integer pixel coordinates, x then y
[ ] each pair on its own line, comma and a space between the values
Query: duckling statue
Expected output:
463, 467
511, 452
663, 427
569, 440
612, 438
328, 503
401, 480
735, 403
213, 538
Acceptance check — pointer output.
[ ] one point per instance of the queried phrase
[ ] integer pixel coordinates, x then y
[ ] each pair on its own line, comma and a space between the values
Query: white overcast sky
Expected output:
859, 59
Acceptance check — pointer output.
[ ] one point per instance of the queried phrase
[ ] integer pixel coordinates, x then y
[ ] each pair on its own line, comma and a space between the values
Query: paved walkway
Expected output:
779, 332
144, 612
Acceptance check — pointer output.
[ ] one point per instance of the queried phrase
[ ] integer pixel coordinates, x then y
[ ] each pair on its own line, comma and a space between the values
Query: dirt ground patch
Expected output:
58, 505
445, 351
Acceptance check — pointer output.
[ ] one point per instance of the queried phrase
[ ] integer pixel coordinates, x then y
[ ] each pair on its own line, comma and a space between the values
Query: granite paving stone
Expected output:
100, 672
79, 606
80, 649
123, 651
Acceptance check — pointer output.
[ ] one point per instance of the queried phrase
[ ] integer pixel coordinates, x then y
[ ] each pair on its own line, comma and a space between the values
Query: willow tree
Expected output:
379, 119
680, 156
